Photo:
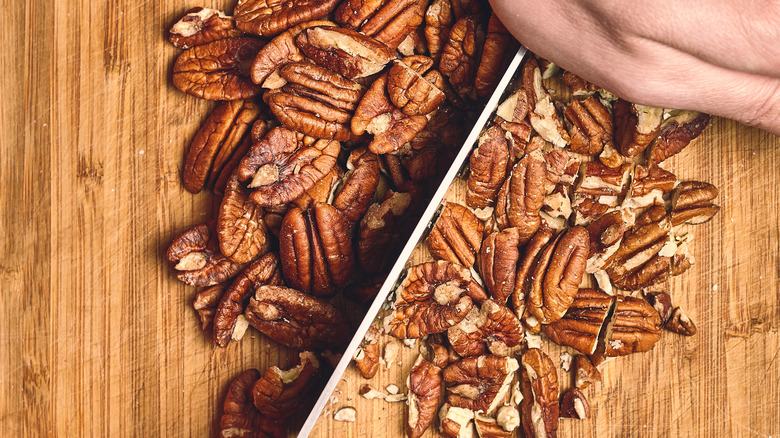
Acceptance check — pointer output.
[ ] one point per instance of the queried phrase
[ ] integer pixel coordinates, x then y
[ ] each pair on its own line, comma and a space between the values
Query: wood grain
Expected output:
99, 339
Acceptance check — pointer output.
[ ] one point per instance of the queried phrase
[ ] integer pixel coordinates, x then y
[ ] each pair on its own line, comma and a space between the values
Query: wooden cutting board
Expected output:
99, 339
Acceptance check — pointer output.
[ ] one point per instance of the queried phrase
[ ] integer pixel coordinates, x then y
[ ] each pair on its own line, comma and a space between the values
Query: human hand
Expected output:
721, 57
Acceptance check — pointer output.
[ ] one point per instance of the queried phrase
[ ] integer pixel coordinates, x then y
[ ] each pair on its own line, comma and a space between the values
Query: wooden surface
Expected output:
99, 339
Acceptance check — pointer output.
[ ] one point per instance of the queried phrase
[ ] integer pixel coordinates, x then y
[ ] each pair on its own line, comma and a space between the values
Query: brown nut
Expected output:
240, 227
425, 388
492, 328
282, 393
480, 383
456, 422
580, 326
200, 26
635, 126
521, 198
460, 57
353, 13
456, 236
539, 385
680, 323
214, 71
195, 255
662, 303
649, 185
606, 234
525, 266
487, 168
439, 18
229, 165
676, 133
555, 279
512, 117
543, 116
346, 52
360, 184
499, 43
367, 356
488, 427
585, 372
574, 405
264, 271
394, 21
281, 166
497, 263
635, 327
415, 90
377, 229
599, 180
239, 415
272, 17
205, 304
692, 203
433, 297
297, 320
322, 191
591, 126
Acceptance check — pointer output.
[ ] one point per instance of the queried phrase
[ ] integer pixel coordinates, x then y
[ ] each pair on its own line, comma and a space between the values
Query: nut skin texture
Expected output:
360, 185
487, 168
492, 328
277, 398
585, 372
521, 198
539, 384
271, 17
212, 267
315, 249
497, 261
297, 320
264, 271
200, 26
636, 327
591, 126
414, 90
425, 389
676, 133
206, 303
692, 203
580, 326
213, 71
346, 52
433, 297
280, 167
456, 236
394, 21
488, 376
499, 43
368, 362
569, 409
460, 56
240, 227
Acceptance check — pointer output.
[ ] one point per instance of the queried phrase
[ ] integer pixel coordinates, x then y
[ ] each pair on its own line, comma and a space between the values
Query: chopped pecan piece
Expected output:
272, 17
480, 383
606, 234
676, 133
521, 198
346, 52
498, 44
512, 117
377, 230
195, 255
456, 422
264, 271
416, 91
497, 263
433, 297
487, 168
353, 13
425, 387
539, 385
456, 236
200, 26
297, 320
543, 116
206, 303
635, 126
574, 405
585, 372
360, 184
662, 303
214, 71
492, 328
281, 166
239, 415
600, 180
282, 393
367, 356
322, 191
649, 186
580, 326
488, 427
460, 57
591, 126
394, 21
680, 323
240, 226
635, 327
692, 203
316, 250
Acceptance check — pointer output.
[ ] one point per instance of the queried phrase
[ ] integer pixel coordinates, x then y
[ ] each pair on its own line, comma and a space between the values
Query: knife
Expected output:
393, 278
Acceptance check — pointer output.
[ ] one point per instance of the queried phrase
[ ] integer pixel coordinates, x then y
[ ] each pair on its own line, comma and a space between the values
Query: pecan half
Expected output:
591, 126
195, 255
521, 198
480, 383
282, 393
439, 18
360, 184
456, 236
460, 56
413, 87
497, 263
205, 304
297, 320
499, 43
271, 17
346, 52
539, 385
635, 327
239, 415
200, 26
574, 405
215, 71
316, 250
240, 227
282, 166
487, 168
264, 271
425, 388
676, 133
635, 126
353, 13
433, 297
367, 356
323, 190
394, 21
525, 266
580, 326
692, 203
492, 328
377, 231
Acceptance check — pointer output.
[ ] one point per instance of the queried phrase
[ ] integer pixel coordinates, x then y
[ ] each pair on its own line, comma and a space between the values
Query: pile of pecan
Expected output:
568, 232
334, 120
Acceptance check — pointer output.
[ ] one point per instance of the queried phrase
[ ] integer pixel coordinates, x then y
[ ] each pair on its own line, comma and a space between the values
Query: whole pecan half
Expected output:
439, 18
215, 71
394, 21
497, 261
413, 87
487, 168
271, 17
360, 184
264, 271
195, 255
480, 383
282, 166
316, 250
591, 125
282, 393
239, 415
499, 43
344, 51
635, 126
240, 226
530, 258
539, 385
425, 388
521, 198
635, 327
378, 230
433, 297
205, 304
200, 26
297, 320
580, 326
676, 133
460, 56
456, 236
492, 328
692, 203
